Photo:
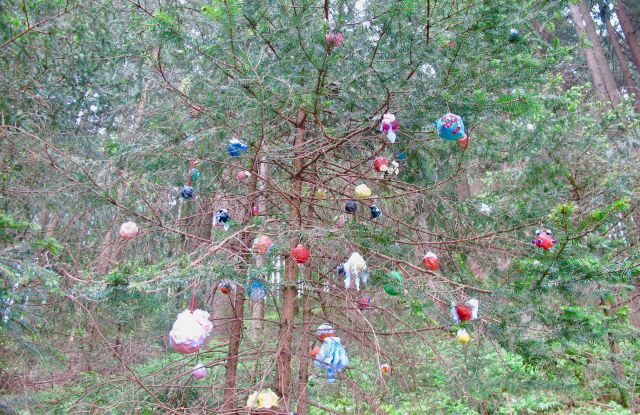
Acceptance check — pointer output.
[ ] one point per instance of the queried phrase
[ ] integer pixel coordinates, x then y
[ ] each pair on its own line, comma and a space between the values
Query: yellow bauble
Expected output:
463, 336
362, 191
321, 194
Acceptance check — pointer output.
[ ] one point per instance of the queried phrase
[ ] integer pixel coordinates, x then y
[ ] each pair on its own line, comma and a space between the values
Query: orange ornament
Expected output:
385, 368
314, 352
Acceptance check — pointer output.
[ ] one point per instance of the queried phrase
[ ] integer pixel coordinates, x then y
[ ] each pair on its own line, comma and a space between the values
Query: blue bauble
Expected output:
376, 212
351, 207
186, 192
236, 147
450, 127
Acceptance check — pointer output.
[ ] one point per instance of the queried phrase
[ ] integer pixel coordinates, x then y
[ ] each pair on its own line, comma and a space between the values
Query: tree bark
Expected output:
629, 83
283, 357
629, 34
601, 57
231, 366
589, 56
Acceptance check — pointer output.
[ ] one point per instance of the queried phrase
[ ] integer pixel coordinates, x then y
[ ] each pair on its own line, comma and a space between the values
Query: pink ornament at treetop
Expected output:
128, 230
190, 331
243, 175
334, 39
262, 244
199, 371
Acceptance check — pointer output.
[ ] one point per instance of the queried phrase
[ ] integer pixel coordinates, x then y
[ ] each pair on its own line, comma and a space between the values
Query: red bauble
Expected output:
464, 312
300, 254
379, 163
463, 142
225, 288
364, 303
431, 262
544, 240
314, 352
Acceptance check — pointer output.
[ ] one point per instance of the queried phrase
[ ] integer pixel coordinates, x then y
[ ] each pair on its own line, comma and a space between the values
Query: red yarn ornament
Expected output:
300, 254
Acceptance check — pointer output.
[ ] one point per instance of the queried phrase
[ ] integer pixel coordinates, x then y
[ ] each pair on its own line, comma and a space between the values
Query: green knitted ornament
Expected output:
195, 174
393, 283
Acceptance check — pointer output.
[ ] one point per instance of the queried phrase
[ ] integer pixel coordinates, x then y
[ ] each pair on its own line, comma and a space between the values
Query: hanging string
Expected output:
191, 164
192, 303
351, 186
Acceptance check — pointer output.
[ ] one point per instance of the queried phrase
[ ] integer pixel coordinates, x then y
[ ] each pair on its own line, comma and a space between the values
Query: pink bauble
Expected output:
190, 331
128, 230
262, 244
243, 175
199, 371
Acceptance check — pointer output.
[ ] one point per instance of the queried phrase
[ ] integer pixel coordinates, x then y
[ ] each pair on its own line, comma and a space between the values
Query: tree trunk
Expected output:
614, 348
601, 57
283, 358
629, 34
589, 56
231, 366
629, 83
303, 375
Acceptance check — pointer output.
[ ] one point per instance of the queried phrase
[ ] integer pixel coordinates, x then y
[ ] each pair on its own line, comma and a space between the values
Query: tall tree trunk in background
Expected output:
303, 374
589, 56
257, 307
629, 83
283, 357
601, 57
614, 349
629, 34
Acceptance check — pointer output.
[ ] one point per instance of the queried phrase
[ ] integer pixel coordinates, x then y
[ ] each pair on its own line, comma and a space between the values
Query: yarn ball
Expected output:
262, 244
236, 147
243, 175
195, 174
463, 337
380, 163
190, 331
325, 330
362, 191
321, 194
225, 288
300, 254
544, 240
463, 142
199, 371
351, 207
186, 192
364, 303
514, 35
389, 122
266, 399
385, 368
314, 352
450, 127
128, 230
393, 283
376, 212
430, 261
222, 216
466, 311
334, 39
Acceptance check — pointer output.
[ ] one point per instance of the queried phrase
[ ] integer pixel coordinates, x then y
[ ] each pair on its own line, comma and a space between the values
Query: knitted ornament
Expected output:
321, 194
351, 207
128, 230
265, 399
362, 191
402, 156
393, 283
236, 147
514, 35
340, 271
325, 330
300, 254
389, 125
257, 291
225, 288
222, 218
255, 211
463, 142
332, 356
199, 371
243, 175
190, 141
466, 311
195, 174
463, 337
262, 244
355, 269
364, 303
385, 368
544, 240
190, 331
450, 127
430, 261
333, 39
380, 164
392, 169
376, 212
186, 192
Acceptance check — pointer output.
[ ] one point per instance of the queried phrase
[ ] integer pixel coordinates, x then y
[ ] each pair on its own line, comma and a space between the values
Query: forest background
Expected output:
107, 107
